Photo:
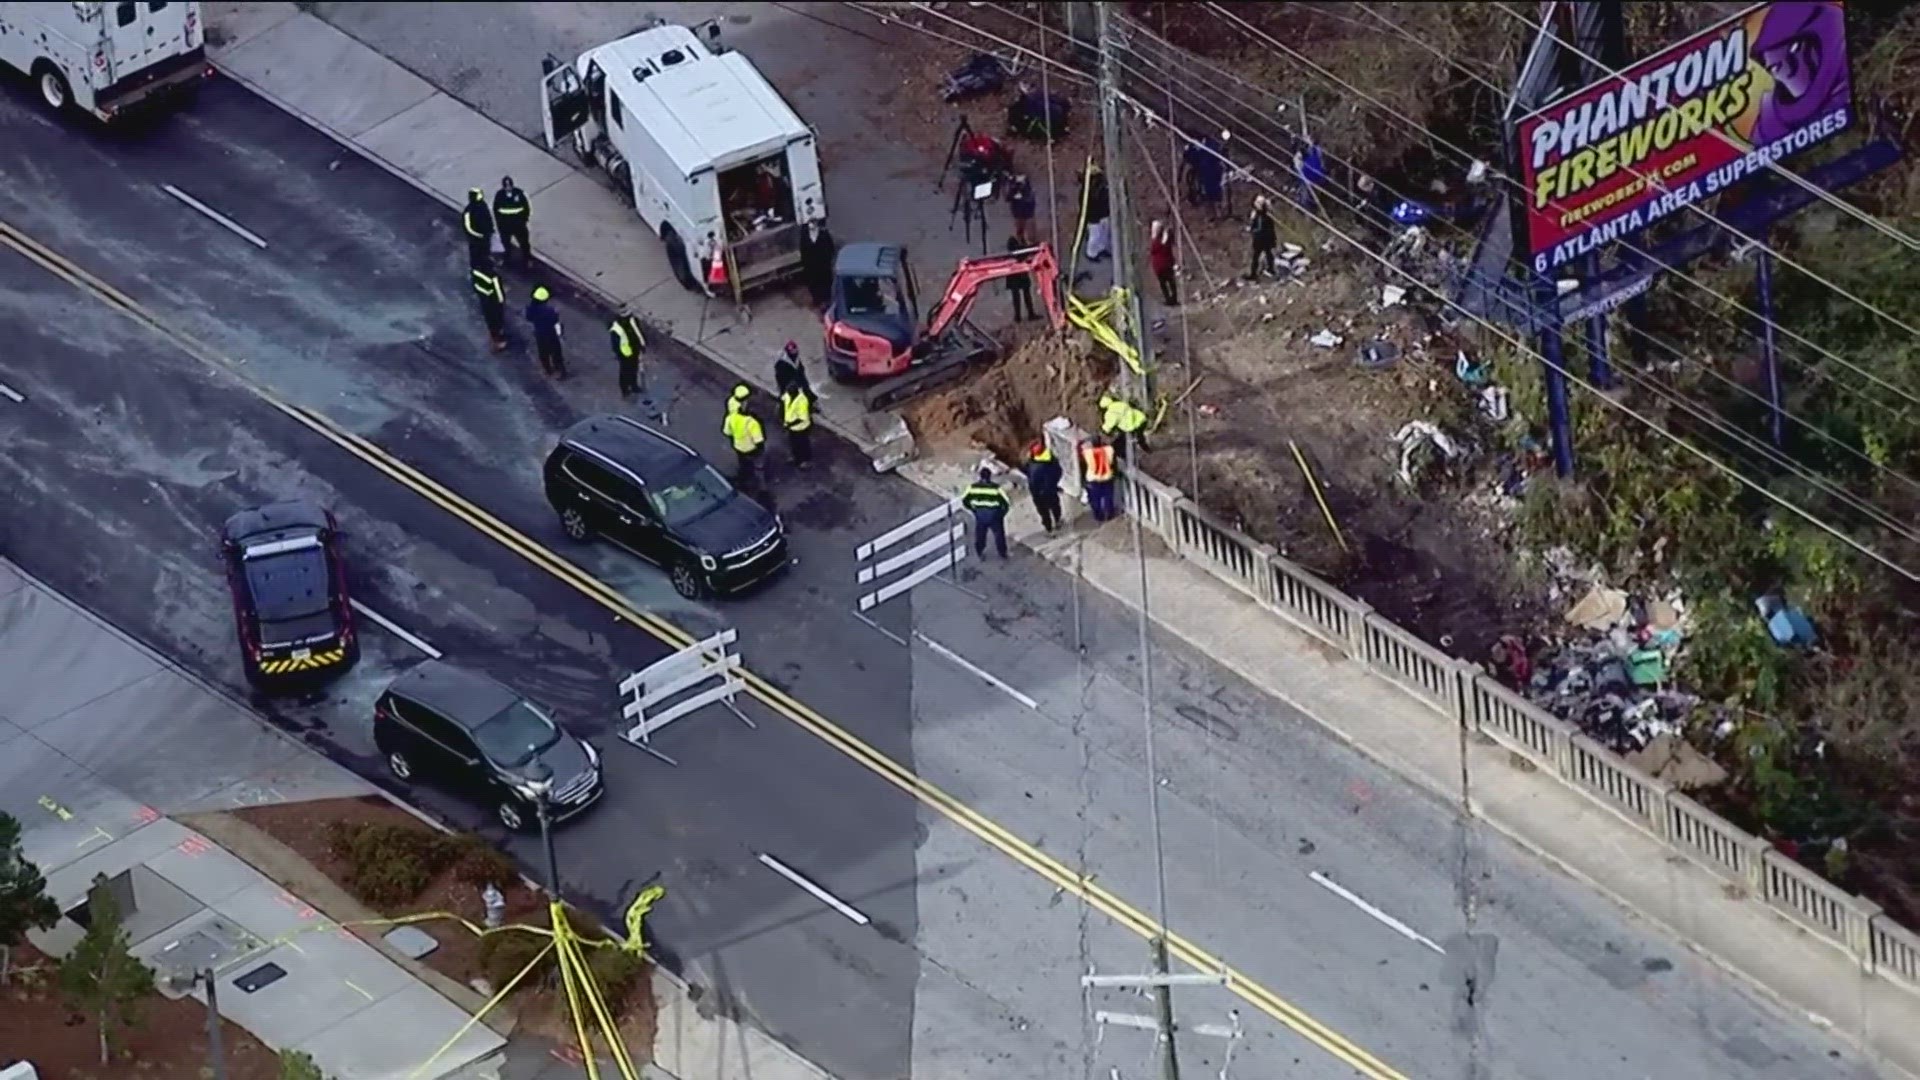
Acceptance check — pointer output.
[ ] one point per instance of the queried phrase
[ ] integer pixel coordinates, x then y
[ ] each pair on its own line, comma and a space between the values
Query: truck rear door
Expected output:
143, 33
567, 103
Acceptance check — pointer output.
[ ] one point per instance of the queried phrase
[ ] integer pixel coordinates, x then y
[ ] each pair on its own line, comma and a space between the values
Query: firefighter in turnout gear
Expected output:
746, 436
989, 505
477, 222
628, 344
510, 210
796, 415
493, 304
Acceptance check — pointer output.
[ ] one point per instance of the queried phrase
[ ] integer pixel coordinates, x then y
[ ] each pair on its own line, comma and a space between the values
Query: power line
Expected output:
1673, 394
1802, 182
1648, 255
1415, 282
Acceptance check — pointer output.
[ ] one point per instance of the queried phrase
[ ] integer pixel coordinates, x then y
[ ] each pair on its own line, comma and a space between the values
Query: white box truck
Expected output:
107, 60
699, 144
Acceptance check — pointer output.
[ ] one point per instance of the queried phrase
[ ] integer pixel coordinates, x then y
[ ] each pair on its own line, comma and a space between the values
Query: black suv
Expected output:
479, 739
653, 495
289, 586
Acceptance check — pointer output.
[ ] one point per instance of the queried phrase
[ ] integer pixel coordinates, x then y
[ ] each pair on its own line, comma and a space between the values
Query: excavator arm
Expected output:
964, 287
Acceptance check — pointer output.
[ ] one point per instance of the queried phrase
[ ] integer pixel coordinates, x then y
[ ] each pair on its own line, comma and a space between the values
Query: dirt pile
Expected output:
1003, 407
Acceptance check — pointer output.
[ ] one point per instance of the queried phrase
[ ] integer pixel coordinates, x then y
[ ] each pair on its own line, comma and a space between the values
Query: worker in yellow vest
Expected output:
1122, 421
796, 415
746, 436
628, 343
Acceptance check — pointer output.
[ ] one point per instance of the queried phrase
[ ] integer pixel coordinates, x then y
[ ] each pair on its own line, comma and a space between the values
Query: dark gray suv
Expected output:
477, 738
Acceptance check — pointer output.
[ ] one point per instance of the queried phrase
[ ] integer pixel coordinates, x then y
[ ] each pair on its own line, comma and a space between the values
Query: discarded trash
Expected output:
1601, 609
1209, 410
1672, 760
1378, 354
1496, 404
1647, 667
1788, 624
1471, 372
1416, 434
495, 905
1326, 339
1392, 294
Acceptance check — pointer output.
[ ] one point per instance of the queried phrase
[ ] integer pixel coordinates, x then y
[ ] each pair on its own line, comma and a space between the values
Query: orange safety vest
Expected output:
1099, 462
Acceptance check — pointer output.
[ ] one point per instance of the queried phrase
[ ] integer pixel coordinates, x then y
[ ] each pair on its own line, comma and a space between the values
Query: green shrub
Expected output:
387, 864
617, 972
504, 954
481, 864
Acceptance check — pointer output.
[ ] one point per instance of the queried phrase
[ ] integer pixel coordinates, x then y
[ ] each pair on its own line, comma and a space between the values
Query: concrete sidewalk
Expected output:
101, 745
579, 227
442, 147
116, 762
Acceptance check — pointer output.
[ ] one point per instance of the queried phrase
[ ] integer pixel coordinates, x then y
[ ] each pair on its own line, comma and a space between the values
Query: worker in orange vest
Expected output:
1096, 476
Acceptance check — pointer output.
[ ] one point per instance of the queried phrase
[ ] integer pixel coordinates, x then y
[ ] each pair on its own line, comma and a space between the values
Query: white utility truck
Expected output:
699, 144
106, 59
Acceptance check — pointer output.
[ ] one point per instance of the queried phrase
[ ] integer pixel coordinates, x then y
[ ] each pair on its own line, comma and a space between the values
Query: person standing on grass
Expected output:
1263, 237
1160, 258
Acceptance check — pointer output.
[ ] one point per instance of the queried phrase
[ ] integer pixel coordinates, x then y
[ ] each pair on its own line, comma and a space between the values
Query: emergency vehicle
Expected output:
700, 145
106, 59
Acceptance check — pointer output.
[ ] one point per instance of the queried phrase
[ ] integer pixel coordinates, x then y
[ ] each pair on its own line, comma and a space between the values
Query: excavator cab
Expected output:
873, 319
873, 328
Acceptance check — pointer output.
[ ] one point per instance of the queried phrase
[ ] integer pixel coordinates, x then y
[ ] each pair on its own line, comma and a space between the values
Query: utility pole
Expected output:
1137, 387
1133, 328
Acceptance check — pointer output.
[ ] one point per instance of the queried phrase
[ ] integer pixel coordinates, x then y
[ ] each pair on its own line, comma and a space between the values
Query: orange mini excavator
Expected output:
873, 330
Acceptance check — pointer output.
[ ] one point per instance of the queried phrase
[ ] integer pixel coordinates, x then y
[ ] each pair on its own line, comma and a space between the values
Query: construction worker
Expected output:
545, 320
477, 221
788, 374
628, 344
1121, 421
1096, 477
989, 505
745, 435
493, 303
738, 399
510, 209
1043, 483
796, 415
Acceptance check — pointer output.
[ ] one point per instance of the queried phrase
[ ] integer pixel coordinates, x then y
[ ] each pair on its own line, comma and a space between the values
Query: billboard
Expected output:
1682, 125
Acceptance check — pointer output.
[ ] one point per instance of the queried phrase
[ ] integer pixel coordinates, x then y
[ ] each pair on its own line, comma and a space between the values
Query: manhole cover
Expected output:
261, 977
411, 941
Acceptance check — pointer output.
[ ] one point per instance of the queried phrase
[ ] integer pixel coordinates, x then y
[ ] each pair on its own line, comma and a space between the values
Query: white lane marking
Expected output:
395, 629
983, 673
1389, 921
13, 395
817, 892
237, 229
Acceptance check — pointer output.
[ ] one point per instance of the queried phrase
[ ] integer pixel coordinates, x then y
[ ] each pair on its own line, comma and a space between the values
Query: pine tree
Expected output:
100, 975
24, 903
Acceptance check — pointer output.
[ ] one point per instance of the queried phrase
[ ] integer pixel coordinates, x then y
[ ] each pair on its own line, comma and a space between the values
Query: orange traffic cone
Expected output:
717, 269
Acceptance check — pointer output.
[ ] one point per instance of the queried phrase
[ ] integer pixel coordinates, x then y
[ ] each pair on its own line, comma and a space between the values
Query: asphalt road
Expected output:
126, 452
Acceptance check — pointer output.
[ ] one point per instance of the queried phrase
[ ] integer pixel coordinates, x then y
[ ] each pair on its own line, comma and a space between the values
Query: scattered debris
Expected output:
1378, 353
1675, 761
1392, 295
1415, 435
1326, 339
1599, 610
1787, 623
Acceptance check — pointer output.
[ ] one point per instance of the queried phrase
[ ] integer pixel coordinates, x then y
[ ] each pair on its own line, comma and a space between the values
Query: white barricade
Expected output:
938, 541
699, 675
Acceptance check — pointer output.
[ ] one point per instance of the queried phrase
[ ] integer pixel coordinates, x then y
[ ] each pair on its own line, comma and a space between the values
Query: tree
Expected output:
298, 1065
24, 903
100, 975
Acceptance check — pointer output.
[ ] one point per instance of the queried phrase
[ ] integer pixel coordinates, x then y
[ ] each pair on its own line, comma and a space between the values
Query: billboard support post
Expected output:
1559, 411
1599, 369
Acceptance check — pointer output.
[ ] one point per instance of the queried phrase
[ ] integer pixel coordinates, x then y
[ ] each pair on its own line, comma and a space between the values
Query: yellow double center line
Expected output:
1049, 868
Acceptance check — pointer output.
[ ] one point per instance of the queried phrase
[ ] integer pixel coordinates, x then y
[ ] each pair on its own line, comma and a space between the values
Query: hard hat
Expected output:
1107, 401
792, 349
476, 193
540, 292
1037, 448
742, 392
